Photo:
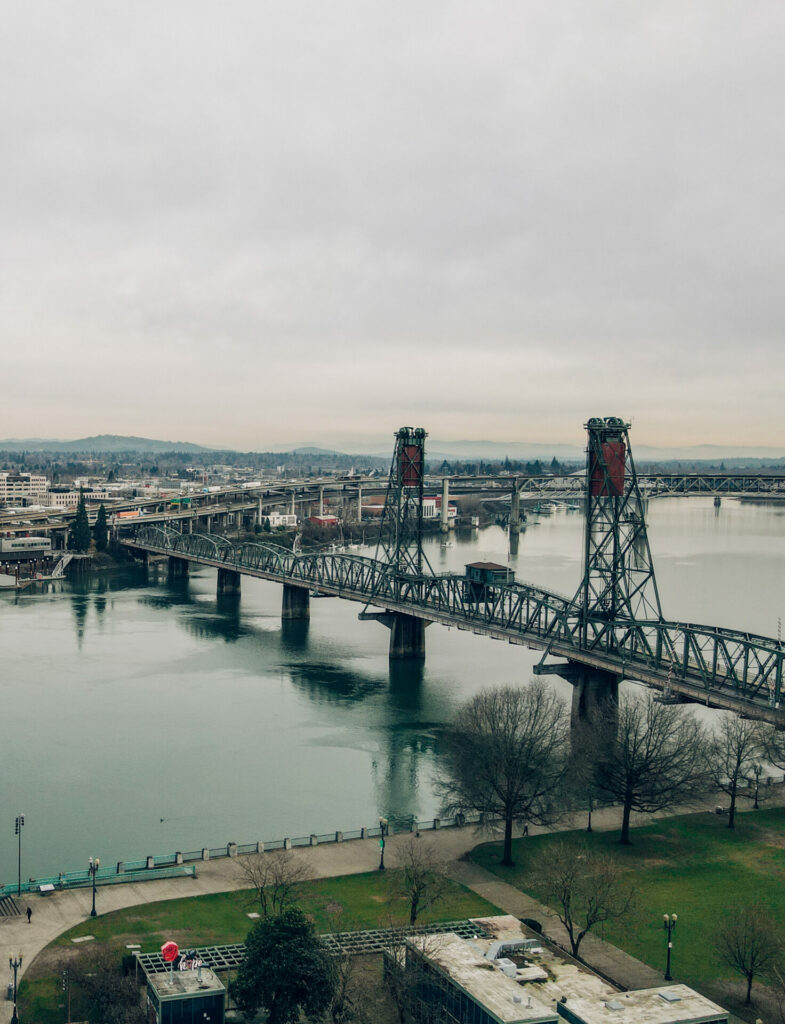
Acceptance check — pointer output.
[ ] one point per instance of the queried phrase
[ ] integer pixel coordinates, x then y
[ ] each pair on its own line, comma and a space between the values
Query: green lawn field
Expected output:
692, 865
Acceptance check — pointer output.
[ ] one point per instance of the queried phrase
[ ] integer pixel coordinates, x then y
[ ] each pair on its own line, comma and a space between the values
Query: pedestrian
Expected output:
29, 914
526, 828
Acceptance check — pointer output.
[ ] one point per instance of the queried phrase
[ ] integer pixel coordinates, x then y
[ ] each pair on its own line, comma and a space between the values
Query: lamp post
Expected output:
757, 769
382, 825
15, 963
92, 868
669, 924
18, 826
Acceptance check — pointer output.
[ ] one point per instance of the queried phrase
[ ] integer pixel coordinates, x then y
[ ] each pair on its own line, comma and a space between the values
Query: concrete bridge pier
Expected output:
321, 501
178, 567
296, 603
444, 524
595, 694
407, 632
228, 582
359, 503
407, 636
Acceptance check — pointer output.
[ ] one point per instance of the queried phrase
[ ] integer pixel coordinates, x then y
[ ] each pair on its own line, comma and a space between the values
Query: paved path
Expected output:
52, 915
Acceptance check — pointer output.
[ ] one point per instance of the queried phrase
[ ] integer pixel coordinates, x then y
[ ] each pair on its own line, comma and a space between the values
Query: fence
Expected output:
179, 864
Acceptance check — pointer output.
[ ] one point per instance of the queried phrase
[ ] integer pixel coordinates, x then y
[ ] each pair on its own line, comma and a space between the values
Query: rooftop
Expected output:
670, 1004
183, 983
543, 979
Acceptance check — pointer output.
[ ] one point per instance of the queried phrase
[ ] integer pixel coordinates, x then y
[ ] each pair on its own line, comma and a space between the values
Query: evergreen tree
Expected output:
79, 534
100, 530
287, 971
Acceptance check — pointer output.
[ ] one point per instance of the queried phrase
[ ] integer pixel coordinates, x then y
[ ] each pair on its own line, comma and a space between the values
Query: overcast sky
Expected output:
245, 222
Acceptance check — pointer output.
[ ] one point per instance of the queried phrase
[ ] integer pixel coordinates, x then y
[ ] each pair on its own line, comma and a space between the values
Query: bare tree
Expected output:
506, 756
654, 756
750, 941
774, 746
419, 876
736, 747
273, 879
585, 887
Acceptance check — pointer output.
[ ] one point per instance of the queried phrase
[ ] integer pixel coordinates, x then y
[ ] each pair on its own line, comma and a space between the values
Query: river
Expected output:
142, 716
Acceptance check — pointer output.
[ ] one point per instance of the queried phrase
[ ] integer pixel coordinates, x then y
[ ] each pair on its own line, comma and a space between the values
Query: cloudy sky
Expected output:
245, 222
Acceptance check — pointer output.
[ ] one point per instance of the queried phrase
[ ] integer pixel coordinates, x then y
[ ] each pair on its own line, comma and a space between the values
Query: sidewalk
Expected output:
52, 915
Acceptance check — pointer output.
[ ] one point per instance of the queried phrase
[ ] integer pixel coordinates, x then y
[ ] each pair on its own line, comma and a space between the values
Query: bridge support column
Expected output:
407, 636
359, 503
515, 511
228, 582
595, 694
444, 524
296, 602
178, 567
407, 633
321, 501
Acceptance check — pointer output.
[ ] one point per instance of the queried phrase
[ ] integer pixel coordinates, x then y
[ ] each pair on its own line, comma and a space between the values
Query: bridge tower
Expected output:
400, 537
618, 573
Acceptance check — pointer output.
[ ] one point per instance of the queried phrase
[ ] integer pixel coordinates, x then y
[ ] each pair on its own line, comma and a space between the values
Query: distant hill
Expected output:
99, 443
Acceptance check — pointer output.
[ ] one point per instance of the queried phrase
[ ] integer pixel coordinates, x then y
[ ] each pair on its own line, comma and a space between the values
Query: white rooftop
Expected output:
670, 1004
542, 980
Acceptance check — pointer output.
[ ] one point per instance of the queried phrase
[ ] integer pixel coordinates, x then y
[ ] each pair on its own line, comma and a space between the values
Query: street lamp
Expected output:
669, 924
382, 826
15, 963
92, 868
18, 826
757, 769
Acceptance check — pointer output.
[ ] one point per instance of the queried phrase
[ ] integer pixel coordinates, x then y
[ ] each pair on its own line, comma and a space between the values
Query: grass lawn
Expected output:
692, 865
351, 902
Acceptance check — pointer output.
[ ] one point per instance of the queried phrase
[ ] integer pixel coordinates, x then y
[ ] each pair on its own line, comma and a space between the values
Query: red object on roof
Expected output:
170, 951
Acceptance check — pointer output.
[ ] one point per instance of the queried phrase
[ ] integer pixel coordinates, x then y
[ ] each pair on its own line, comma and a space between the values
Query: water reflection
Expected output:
294, 635
324, 681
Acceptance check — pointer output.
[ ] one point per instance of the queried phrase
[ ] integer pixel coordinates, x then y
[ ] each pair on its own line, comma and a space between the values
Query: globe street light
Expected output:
92, 868
669, 924
15, 963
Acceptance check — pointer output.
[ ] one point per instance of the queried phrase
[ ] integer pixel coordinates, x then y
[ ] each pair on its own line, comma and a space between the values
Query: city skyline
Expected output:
245, 226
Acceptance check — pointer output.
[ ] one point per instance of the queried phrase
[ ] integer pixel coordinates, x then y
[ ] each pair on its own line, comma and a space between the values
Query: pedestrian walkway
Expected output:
55, 913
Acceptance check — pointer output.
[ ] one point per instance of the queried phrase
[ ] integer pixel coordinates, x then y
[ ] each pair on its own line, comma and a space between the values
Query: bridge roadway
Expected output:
718, 667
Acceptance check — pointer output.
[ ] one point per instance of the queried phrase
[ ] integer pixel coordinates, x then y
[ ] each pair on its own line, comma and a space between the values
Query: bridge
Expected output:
613, 628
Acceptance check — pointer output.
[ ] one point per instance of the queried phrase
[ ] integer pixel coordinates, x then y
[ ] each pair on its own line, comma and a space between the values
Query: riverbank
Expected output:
55, 914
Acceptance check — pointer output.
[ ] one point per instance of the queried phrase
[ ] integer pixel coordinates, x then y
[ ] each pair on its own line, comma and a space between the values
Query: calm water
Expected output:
128, 700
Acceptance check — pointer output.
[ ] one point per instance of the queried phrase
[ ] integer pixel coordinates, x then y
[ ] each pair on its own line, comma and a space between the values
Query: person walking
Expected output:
29, 914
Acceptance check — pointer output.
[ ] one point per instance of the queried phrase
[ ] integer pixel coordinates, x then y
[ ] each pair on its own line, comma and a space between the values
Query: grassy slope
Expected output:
693, 866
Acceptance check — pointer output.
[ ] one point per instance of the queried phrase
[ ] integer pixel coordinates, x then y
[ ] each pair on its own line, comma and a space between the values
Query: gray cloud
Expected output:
245, 222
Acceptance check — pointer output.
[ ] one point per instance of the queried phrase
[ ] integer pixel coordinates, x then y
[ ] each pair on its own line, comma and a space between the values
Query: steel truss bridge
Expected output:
566, 486
721, 668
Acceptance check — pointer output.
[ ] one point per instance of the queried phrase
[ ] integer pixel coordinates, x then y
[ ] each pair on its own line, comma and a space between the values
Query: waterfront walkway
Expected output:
56, 913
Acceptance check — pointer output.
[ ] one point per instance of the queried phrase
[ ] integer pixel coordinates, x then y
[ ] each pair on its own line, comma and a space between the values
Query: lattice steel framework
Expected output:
618, 574
400, 537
